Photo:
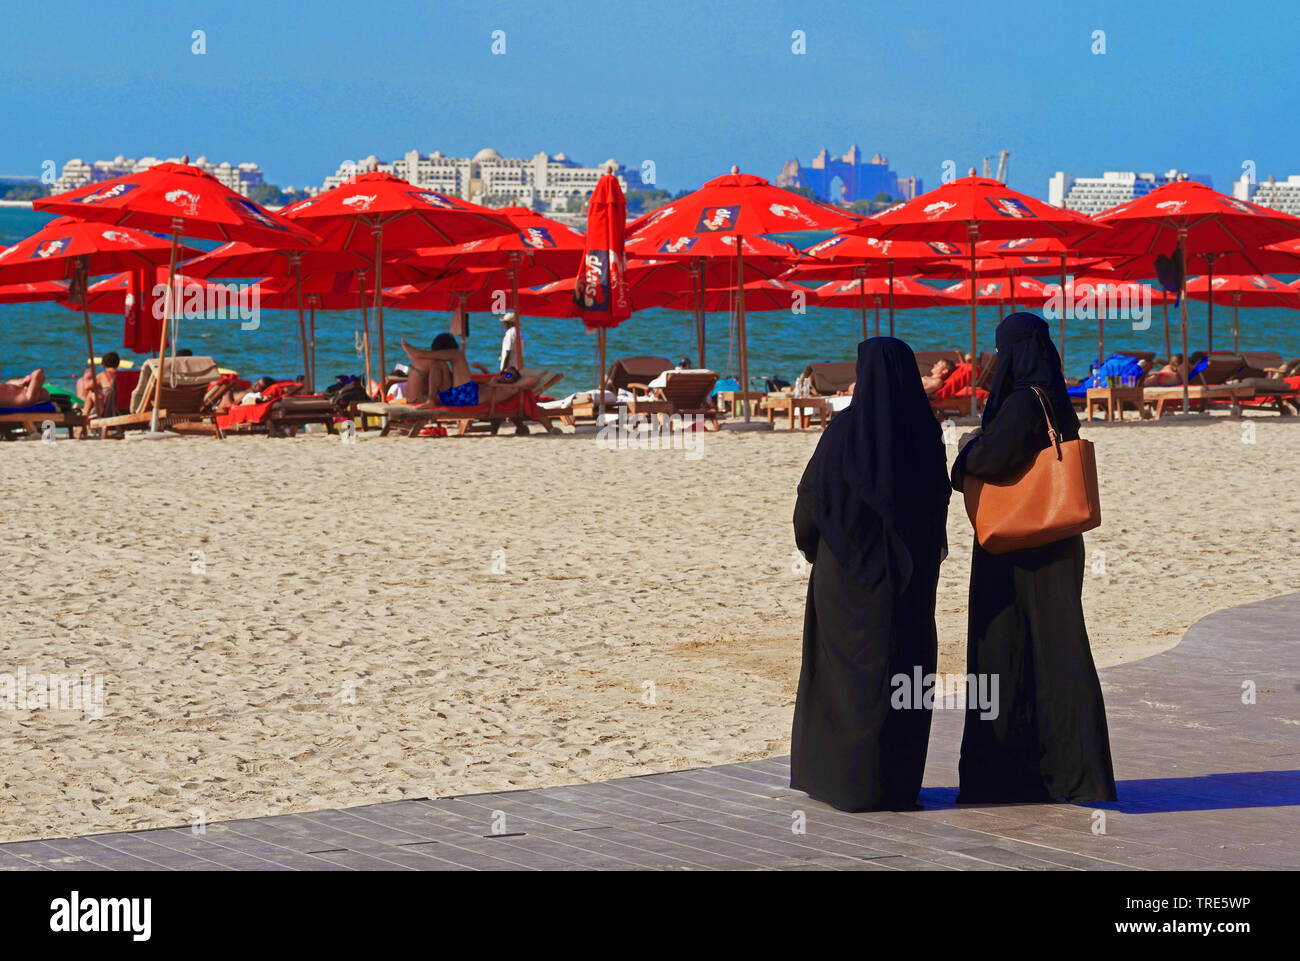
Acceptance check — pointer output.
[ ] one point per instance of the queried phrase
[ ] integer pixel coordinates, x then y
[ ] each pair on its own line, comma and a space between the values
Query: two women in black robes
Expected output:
1048, 740
871, 516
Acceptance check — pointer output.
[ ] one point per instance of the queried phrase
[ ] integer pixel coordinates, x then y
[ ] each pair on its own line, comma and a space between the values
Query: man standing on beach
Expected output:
512, 342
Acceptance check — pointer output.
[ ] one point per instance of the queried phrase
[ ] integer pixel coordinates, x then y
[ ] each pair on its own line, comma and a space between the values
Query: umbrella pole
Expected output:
1164, 306
1236, 302
891, 296
697, 288
600, 383
877, 316
365, 326
1011, 289
313, 343
974, 233
379, 305
1062, 318
740, 323
167, 319
1182, 299
514, 306
1209, 317
81, 271
862, 300
302, 325
1101, 328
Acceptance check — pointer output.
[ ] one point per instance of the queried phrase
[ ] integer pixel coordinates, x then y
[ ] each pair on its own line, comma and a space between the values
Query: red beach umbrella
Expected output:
971, 209
181, 200
1243, 290
33, 293
377, 210
770, 294
1196, 220
76, 250
745, 206
600, 289
904, 292
108, 296
1001, 290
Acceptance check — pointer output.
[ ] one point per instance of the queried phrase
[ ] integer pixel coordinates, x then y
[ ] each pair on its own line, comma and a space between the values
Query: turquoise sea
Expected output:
51, 336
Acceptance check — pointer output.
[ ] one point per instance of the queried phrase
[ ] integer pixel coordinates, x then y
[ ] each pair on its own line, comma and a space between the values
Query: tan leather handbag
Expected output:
1053, 498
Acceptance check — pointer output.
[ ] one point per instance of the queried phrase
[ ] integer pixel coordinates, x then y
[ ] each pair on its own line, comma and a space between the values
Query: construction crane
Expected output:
1003, 157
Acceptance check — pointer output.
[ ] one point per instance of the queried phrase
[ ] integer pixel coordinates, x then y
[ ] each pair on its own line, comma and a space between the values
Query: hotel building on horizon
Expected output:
1092, 195
542, 182
1283, 195
77, 173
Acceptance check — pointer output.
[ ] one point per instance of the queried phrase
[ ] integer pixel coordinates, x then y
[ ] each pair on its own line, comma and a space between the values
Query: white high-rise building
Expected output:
1283, 195
1092, 195
77, 173
540, 182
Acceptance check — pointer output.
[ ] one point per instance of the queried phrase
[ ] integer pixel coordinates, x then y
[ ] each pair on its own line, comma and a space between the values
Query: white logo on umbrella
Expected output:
937, 209
121, 237
684, 242
1171, 206
789, 213
1263, 283
185, 200
1220, 281
51, 248
7, 251
360, 202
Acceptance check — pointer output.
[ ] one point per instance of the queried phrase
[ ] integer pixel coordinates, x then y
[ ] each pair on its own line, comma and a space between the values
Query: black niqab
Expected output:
1028, 358
879, 472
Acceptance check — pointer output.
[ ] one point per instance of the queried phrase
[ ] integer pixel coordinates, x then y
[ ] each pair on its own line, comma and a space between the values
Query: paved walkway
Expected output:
1206, 781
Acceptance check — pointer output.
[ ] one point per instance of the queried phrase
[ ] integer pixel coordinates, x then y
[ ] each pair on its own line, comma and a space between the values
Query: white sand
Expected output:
369, 567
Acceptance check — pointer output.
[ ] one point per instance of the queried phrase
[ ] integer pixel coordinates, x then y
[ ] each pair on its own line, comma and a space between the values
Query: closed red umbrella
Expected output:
745, 206
600, 289
1197, 220
181, 200
376, 211
971, 209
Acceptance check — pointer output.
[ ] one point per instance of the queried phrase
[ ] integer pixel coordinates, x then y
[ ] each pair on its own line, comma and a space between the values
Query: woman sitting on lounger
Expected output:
442, 374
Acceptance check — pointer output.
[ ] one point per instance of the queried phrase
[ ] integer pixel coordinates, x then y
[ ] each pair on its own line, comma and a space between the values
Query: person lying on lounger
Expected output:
940, 371
440, 376
24, 391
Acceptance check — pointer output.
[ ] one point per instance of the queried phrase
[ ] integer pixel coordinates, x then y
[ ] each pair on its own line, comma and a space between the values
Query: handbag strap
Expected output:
1052, 433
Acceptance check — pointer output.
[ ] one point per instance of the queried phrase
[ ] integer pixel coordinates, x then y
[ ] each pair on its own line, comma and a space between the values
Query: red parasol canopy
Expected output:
65, 245
176, 198
108, 296
32, 293
1001, 290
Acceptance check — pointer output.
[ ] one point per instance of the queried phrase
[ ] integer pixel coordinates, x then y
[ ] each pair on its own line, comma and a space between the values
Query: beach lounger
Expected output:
190, 392
833, 376
684, 393
639, 370
488, 417
31, 420
282, 416
1198, 395
925, 359
954, 396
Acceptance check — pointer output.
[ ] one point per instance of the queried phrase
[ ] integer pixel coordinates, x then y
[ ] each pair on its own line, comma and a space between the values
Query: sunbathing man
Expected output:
940, 371
24, 391
442, 373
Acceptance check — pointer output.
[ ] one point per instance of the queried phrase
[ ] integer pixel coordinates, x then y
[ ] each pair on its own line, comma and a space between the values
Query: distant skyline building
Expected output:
542, 182
1283, 195
1092, 195
77, 173
848, 178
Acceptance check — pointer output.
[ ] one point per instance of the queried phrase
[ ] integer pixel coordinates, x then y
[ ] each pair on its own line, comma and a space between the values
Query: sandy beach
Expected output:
287, 625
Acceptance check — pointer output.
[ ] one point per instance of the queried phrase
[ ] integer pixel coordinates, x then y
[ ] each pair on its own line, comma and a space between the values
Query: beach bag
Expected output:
1053, 498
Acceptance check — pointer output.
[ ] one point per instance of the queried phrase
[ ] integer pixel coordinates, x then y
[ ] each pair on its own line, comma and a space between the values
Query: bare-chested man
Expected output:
24, 391
440, 377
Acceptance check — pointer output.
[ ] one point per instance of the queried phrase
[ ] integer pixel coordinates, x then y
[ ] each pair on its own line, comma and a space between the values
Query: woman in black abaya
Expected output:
1048, 740
872, 508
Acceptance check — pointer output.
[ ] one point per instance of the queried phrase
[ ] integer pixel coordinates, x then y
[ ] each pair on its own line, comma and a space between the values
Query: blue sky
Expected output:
694, 87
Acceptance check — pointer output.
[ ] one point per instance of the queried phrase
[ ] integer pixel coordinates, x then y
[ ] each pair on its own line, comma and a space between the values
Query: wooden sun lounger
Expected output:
183, 408
1198, 395
33, 423
402, 415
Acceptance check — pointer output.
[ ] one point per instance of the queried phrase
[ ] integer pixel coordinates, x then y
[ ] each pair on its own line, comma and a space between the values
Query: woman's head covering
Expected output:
880, 474
1028, 358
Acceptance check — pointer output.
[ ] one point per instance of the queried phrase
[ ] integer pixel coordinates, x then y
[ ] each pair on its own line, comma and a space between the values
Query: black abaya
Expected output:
1049, 739
870, 516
